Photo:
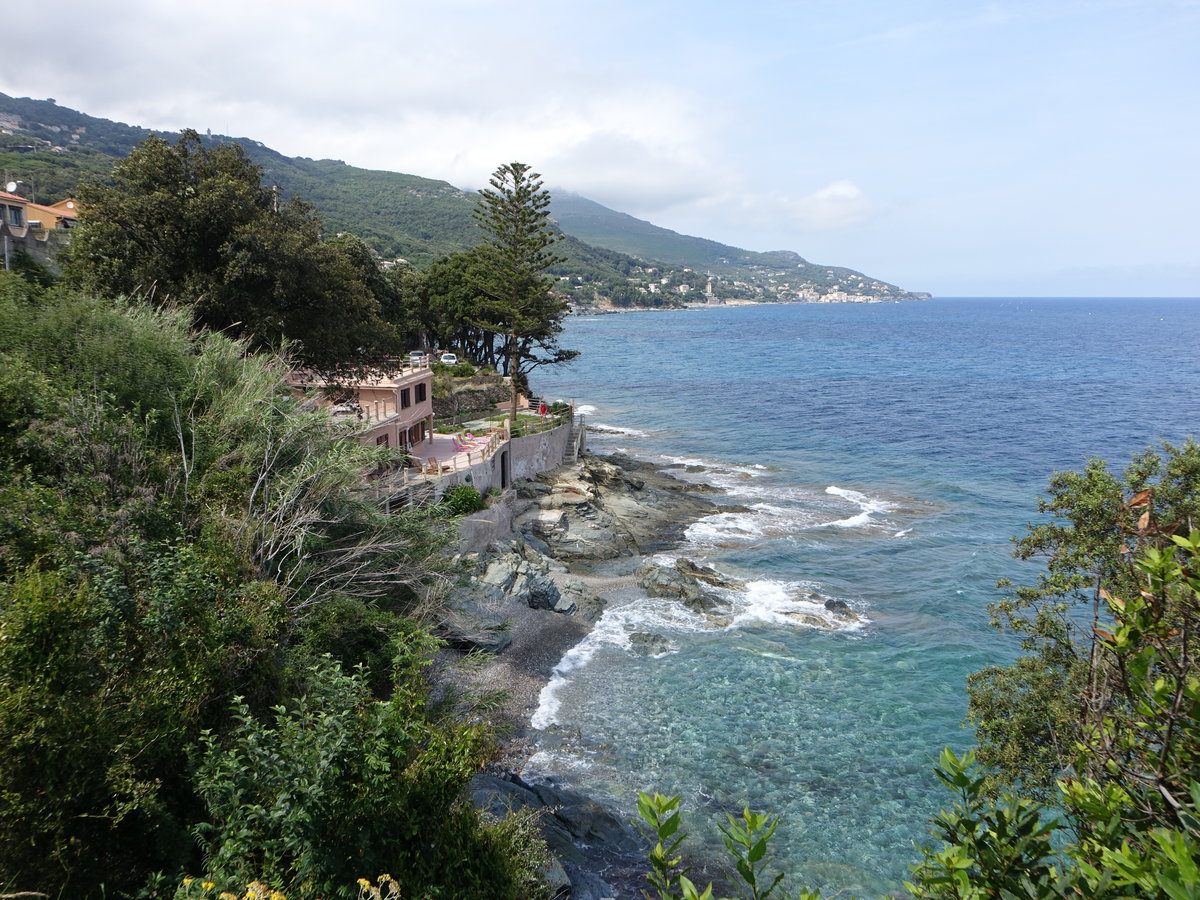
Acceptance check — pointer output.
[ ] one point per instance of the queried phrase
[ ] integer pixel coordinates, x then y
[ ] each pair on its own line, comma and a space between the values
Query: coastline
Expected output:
692, 305
581, 534
608, 527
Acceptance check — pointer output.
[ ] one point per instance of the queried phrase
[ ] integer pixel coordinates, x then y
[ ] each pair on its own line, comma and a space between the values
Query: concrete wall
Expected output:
539, 452
528, 456
482, 528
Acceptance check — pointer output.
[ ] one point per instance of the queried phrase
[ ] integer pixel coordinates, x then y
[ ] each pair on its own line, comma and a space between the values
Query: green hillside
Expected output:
50, 149
603, 227
610, 256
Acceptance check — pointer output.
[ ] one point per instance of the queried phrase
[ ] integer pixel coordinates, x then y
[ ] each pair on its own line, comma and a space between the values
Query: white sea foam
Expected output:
791, 604
615, 429
723, 529
716, 467
868, 506
726, 529
613, 631
585, 410
794, 603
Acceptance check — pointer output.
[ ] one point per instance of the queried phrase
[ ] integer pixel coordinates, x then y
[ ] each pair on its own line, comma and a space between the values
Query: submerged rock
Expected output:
808, 619
707, 575
841, 609
642, 643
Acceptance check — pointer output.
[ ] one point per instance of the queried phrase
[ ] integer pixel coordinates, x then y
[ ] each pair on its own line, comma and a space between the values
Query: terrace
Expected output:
440, 454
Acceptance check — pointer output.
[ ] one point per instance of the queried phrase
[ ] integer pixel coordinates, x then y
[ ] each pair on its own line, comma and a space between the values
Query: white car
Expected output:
417, 358
450, 359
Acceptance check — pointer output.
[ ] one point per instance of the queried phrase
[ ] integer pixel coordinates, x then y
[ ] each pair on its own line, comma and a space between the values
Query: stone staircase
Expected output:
575, 442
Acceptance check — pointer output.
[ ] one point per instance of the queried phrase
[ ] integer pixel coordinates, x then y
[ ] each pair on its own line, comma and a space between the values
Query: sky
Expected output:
1046, 148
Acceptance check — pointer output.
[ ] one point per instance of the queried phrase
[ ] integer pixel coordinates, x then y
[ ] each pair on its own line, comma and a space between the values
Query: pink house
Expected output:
396, 407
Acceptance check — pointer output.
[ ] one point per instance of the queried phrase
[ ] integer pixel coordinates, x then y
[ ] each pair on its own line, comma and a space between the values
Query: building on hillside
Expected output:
13, 209
396, 407
33, 228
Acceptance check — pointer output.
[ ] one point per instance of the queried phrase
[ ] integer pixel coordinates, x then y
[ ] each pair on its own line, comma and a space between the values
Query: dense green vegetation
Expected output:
212, 661
208, 660
1027, 714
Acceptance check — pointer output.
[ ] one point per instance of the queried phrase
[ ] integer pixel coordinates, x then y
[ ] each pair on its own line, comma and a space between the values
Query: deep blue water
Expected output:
887, 453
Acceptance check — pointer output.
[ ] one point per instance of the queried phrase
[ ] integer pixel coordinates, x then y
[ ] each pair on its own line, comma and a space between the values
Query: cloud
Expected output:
838, 205
644, 169
432, 89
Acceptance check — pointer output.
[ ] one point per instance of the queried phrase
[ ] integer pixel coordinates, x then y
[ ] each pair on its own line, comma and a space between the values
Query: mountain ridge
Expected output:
612, 257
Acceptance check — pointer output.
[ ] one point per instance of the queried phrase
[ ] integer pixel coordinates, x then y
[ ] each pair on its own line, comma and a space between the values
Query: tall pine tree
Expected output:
514, 213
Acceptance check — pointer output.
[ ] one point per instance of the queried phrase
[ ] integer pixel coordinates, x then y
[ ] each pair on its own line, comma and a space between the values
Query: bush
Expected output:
462, 500
310, 797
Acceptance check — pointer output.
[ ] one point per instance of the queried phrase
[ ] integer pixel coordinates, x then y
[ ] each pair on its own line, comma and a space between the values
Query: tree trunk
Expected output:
512, 377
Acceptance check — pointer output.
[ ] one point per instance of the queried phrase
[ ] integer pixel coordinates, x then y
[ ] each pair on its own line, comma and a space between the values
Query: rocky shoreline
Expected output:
579, 534
538, 572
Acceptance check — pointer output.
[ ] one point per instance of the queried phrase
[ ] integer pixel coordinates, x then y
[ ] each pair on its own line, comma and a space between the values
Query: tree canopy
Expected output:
1027, 714
193, 224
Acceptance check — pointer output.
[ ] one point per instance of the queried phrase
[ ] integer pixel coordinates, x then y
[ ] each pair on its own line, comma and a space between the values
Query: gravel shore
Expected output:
513, 680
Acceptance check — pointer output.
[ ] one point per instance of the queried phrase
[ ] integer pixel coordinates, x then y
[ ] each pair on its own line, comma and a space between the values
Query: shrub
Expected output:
311, 796
462, 500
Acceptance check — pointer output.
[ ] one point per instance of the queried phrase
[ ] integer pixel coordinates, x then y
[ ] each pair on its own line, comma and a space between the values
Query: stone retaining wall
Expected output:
487, 526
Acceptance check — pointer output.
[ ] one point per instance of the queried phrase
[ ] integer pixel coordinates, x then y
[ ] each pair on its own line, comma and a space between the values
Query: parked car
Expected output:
450, 359
417, 358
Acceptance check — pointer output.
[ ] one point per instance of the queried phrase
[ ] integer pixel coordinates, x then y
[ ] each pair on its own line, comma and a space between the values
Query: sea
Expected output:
883, 455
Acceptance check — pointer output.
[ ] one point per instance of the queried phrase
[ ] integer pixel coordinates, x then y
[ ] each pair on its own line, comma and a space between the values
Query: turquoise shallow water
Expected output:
886, 454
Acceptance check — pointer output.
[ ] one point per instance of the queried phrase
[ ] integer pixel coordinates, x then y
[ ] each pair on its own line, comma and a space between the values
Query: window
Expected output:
405, 398
14, 216
421, 392
382, 441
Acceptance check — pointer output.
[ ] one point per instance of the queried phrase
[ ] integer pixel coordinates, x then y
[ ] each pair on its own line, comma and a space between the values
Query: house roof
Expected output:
56, 211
